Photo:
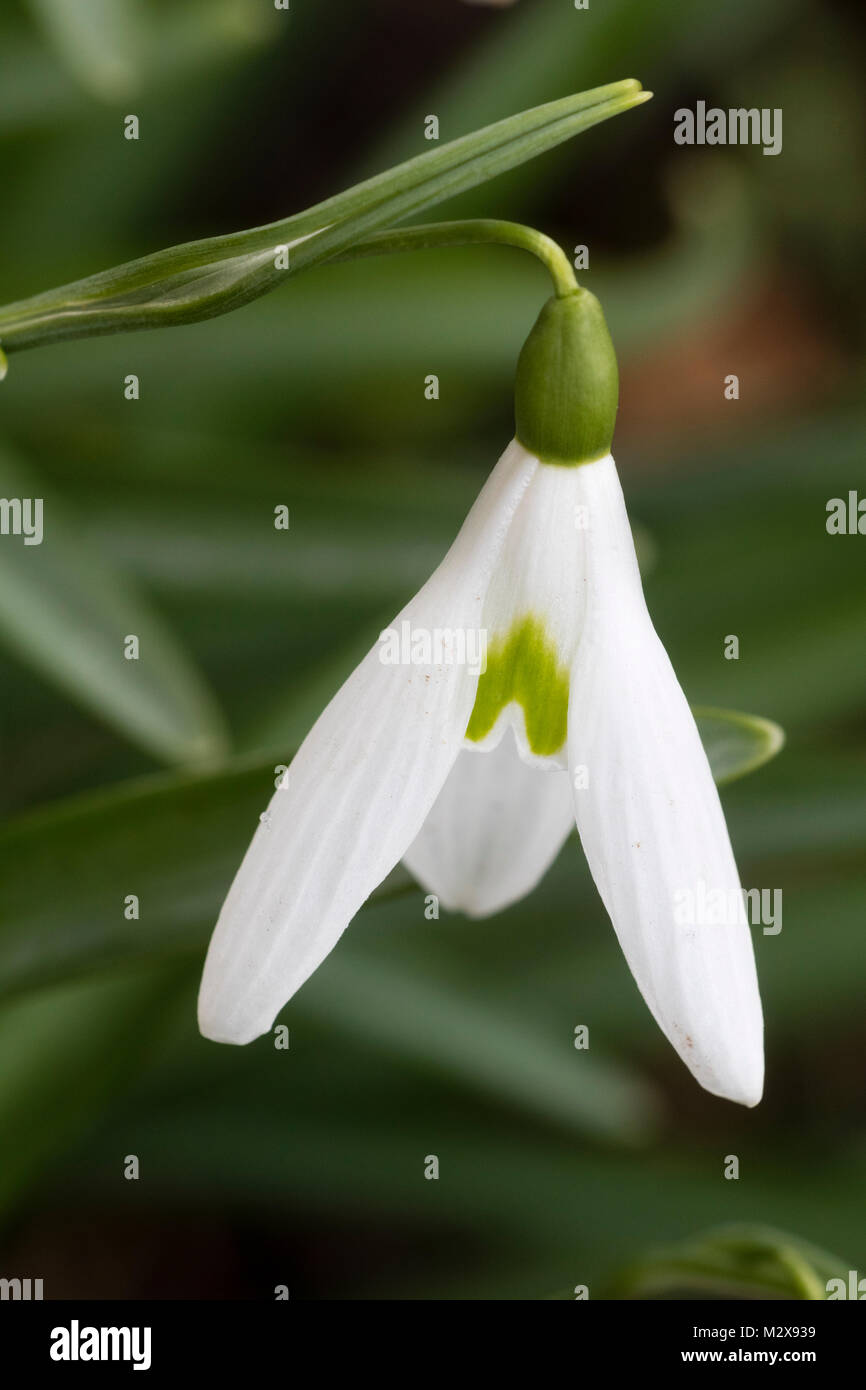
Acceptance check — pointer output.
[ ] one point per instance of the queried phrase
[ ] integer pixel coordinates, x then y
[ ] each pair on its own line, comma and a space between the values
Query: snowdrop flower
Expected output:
476, 778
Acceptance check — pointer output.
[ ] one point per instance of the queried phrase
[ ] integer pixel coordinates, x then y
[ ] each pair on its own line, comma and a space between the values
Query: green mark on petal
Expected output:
524, 667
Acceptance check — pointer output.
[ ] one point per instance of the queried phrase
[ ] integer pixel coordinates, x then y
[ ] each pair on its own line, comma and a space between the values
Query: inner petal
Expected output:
524, 668
493, 832
533, 613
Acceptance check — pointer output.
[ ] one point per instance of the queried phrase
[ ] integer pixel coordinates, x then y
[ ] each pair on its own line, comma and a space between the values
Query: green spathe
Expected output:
523, 667
567, 386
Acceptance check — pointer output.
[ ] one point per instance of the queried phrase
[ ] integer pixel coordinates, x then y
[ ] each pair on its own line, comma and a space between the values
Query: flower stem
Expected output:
472, 232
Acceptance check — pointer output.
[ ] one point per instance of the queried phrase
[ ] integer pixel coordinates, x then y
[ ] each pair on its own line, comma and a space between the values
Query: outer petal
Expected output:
357, 791
496, 827
650, 818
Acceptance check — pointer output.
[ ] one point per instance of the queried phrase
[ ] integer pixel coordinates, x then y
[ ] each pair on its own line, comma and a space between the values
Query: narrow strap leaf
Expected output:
200, 279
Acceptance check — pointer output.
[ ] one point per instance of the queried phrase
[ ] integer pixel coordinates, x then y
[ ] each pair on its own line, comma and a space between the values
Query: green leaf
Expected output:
203, 278
116, 49
65, 1050
69, 614
96, 40
737, 743
442, 1026
733, 1262
174, 840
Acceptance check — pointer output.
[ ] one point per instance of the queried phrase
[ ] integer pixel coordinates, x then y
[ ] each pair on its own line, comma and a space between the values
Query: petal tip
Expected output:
748, 1096
743, 1084
218, 1024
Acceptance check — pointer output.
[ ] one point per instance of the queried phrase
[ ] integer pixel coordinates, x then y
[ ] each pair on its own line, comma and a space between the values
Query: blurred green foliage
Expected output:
558, 1167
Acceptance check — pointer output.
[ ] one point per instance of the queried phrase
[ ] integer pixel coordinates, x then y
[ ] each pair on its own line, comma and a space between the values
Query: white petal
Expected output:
539, 579
650, 819
496, 827
357, 791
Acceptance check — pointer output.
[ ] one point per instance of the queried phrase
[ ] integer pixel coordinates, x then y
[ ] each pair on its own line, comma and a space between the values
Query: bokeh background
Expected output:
305, 1167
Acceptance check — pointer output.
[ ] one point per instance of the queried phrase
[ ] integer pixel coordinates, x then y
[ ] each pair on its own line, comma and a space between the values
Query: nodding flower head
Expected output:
474, 773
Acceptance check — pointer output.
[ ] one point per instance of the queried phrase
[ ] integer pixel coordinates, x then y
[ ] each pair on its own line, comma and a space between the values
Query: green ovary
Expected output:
523, 667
